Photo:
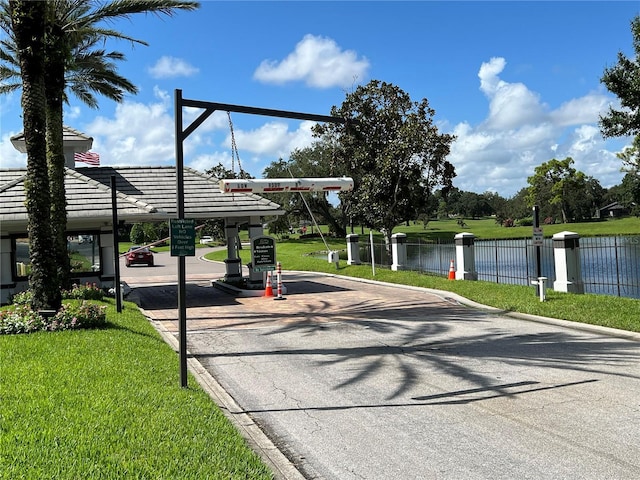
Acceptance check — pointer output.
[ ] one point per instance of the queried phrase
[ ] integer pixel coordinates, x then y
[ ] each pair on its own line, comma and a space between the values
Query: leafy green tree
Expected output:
561, 190
392, 149
627, 193
623, 80
151, 232
71, 33
516, 207
28, 25
630, 157
137, 233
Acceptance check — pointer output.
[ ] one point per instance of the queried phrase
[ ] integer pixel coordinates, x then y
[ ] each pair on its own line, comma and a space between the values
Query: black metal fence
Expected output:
609, 265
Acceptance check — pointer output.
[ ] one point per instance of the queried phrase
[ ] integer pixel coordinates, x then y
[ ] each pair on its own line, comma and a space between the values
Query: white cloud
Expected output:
521, 132
205, 162
510, 104
9, 156
319, 62
171, 67
138, 134
273, 139
580, 110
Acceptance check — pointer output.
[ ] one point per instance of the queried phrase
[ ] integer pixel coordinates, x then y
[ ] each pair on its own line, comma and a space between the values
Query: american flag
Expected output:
90, 158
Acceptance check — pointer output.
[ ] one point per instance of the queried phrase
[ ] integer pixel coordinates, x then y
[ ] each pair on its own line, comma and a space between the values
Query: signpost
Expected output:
537, 242
538, 236
263, 250
183, 237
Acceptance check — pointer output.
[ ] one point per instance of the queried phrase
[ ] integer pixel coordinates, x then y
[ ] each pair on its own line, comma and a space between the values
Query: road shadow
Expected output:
165, 297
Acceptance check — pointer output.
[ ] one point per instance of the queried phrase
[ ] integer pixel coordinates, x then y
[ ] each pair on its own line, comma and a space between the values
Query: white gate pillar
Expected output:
353, 249
108, 258
566, 256
399, 251
465, 257
233, 263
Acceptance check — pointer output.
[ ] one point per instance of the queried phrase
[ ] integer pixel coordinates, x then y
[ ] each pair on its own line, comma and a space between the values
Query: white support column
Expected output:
107, 260
465, 257
232, 262
353, 249
566, 255
399, 251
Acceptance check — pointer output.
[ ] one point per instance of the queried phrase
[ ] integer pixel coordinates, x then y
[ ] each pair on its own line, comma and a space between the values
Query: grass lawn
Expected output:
486, 228
602, 310
107, 404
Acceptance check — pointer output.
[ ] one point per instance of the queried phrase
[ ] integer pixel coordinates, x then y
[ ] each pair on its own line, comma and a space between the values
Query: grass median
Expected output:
605, 310
107, 404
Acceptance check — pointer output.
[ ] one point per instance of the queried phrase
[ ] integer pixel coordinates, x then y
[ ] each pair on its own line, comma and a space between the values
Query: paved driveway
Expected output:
357, 380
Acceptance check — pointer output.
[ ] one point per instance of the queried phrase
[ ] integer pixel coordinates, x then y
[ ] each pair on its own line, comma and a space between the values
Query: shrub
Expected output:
22, 298
84, 292
78, 315
19, 318
508, 223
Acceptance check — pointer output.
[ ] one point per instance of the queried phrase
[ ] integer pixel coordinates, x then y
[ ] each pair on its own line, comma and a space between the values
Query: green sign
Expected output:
263, 253
183, 237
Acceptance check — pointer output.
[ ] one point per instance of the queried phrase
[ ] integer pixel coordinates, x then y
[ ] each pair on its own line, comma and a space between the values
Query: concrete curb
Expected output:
280, 465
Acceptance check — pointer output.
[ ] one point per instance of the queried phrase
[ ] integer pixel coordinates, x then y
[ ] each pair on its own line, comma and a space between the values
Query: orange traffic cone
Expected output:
452, 272
268, 291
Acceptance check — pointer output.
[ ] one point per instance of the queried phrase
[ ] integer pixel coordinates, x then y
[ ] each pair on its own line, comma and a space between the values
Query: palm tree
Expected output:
28, 23
72, 60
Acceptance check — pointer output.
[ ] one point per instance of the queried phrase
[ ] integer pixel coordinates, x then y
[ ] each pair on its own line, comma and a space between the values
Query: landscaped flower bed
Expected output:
78, 311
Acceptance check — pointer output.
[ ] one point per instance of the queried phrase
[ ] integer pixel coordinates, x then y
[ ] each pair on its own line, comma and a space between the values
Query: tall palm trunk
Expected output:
28, 20
55, 84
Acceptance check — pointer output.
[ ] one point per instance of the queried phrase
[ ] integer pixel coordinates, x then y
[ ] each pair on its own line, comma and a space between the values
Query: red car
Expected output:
138, 255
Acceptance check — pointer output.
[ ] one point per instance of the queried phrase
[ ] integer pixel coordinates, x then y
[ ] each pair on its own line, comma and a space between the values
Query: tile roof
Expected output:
143, 194
70, 137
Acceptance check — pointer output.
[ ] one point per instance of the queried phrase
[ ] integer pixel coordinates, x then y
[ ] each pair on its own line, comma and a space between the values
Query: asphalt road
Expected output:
358, 380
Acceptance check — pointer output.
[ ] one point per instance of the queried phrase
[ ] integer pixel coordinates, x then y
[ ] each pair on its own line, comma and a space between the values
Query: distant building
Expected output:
613, 210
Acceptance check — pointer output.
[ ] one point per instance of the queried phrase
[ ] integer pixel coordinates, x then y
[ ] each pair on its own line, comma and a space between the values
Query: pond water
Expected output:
609, 265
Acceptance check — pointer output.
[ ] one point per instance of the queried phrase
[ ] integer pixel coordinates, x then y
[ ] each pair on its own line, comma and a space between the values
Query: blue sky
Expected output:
518, 83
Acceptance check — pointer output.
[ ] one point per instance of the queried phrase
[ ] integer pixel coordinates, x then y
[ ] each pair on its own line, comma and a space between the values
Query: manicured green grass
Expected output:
603, 310
487, 228
107, 404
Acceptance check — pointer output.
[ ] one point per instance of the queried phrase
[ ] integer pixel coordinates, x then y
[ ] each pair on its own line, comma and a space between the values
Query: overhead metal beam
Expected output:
181, 134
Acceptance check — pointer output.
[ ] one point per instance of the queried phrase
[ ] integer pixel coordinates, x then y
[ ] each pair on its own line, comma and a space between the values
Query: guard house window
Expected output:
84, 255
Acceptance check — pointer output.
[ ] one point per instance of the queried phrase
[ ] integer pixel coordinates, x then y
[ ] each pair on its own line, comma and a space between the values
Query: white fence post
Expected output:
353, 249
465, 257
566, 256
399, 251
